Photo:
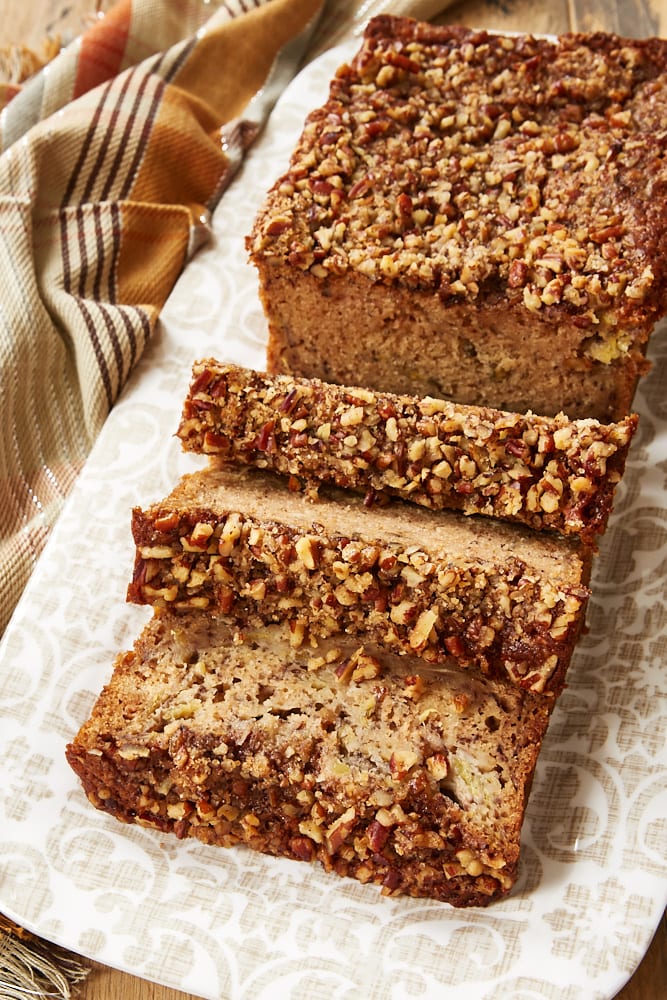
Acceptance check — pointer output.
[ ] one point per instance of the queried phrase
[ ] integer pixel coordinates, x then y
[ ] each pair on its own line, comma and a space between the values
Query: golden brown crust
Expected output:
515, 181
544, 472
373, 765
501, 599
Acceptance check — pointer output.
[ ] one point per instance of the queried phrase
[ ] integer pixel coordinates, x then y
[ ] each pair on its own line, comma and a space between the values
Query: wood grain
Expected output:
633, 18
29, 22
103, 983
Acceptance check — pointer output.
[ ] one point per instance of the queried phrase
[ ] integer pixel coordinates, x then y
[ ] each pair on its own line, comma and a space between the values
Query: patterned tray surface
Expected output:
234, 924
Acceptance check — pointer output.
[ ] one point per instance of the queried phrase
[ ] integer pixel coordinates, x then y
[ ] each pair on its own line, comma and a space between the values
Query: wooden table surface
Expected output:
27, 22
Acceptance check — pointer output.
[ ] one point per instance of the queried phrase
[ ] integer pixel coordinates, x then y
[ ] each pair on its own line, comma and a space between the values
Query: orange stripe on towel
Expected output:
103, 48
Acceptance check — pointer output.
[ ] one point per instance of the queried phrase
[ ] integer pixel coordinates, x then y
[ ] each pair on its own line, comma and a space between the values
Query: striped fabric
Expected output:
111, 162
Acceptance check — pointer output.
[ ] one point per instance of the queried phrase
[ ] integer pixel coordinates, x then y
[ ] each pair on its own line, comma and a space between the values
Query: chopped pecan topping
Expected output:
459, 160
547, 472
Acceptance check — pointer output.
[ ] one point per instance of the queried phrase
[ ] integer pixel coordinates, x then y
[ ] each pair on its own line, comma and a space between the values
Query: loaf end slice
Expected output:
373, 765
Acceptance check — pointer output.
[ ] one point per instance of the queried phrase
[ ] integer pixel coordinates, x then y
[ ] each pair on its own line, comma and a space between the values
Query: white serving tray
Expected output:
233, 924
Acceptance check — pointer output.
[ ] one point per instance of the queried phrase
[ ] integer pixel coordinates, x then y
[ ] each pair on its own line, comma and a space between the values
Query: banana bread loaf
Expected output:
475, 217
501, 598
371, 764
547, 472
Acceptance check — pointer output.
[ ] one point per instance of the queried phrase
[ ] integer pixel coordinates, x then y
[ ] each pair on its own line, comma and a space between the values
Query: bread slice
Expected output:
505, 600
547, 472
374, 765
477, 217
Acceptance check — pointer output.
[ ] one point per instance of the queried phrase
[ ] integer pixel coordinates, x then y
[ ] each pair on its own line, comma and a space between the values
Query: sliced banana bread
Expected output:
498, 597
547, 472
374, 765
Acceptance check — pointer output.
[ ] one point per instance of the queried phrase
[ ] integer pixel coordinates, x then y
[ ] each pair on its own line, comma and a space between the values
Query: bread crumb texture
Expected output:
371, 764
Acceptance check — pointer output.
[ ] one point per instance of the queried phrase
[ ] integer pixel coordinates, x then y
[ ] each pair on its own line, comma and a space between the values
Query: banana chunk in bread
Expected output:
374, 765
547, 472
500, 598
476, 217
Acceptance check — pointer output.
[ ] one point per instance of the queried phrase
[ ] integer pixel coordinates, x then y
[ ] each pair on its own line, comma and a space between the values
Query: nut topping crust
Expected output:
501, 599
550, 473
468, 162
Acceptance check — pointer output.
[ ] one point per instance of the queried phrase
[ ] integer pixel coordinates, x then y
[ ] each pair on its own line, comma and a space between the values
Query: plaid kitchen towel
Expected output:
111, 161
